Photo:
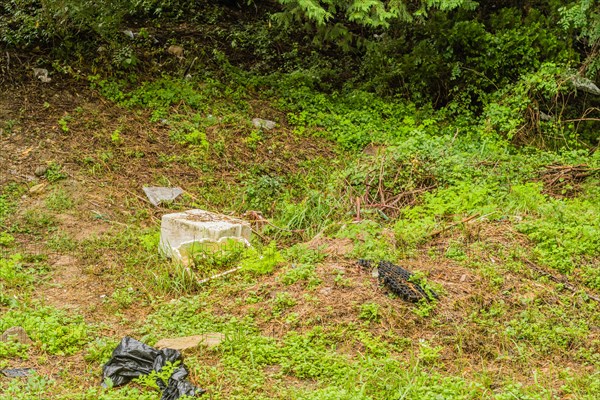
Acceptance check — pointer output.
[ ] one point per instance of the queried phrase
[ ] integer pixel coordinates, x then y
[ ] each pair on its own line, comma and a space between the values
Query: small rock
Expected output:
16, 372
37, 189
263, 123
373, 150
325, 291
177, 51
463, 277
41, 170
15, 334
209, 340
213, 339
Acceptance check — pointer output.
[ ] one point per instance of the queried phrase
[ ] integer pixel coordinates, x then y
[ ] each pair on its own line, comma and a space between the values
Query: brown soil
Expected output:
107, 194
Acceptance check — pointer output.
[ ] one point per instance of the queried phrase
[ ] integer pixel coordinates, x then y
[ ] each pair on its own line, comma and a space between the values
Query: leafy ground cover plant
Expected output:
447, 193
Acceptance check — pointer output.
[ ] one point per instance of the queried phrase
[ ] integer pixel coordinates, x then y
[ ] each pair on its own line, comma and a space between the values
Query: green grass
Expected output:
52, 330
59, 200
299, 322
14, 274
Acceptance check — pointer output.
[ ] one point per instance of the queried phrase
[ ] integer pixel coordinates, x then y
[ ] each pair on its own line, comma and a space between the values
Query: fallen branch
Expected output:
255, 217
138, 196
560, 280
381, 205
582, 167
409, 193
581, 119
565, 179
433, 234
260, 235
200, 282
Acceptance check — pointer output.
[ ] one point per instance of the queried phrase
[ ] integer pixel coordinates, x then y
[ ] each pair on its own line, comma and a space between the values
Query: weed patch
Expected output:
55, 331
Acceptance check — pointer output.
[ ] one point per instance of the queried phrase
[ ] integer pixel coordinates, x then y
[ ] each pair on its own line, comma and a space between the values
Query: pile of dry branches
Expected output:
565, 180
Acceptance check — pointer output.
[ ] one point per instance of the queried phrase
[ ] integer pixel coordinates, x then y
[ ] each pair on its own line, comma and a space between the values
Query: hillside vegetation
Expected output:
453, 138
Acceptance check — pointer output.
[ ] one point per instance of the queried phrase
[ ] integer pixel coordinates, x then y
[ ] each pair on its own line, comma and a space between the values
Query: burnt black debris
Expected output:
397, 279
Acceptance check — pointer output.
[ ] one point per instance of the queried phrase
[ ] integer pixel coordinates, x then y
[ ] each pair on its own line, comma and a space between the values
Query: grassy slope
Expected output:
79, 269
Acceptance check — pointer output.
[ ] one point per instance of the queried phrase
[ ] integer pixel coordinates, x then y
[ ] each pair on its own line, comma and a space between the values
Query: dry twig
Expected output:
452, 225
563, 281
210, 278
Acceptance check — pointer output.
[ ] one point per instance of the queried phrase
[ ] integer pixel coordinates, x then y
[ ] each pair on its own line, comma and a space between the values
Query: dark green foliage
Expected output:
456, 54
53, 330
584, 18
464, 55
262, 192
31, 22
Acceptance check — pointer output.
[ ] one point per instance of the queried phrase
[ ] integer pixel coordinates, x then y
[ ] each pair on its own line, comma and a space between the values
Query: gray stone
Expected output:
15, 334
263, 123
209, 340
41, 170
157, 195
326, 291
16, 372
175, 50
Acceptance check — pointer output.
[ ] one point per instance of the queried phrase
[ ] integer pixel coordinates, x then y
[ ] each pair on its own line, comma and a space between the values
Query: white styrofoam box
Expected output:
182, 229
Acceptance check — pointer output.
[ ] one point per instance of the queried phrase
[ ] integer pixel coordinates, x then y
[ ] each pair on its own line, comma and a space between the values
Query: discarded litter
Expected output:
585, 85
16, 372
129, 33
157, 194
41, 74
397, 279
263, 123
181, 233
132, 358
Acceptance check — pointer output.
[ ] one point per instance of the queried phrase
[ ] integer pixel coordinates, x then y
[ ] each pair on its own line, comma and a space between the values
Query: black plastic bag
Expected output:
132, 358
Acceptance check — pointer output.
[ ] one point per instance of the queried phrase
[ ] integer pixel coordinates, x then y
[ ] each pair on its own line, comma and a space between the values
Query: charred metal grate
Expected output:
397, 279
